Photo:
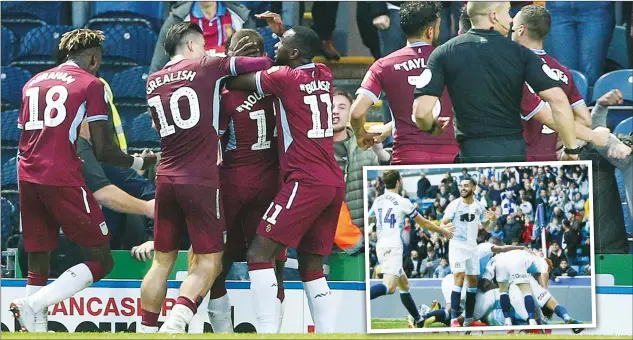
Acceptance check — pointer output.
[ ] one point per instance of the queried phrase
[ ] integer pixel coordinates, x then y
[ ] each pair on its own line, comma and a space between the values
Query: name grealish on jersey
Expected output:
466, 218
391, 210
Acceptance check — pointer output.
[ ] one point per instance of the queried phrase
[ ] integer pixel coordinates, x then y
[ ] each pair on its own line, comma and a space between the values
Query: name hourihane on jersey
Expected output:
391, 210
466, 214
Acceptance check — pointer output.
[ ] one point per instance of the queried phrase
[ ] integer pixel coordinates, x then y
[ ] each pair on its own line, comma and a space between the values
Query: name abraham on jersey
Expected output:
62, 76
315, 85
411, 64
170, 78
250, 101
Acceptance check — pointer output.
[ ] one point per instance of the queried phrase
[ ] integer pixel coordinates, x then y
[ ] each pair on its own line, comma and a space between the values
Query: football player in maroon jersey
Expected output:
53, 192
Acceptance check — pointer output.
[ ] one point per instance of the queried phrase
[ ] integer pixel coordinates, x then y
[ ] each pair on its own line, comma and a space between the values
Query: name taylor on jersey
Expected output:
411, 64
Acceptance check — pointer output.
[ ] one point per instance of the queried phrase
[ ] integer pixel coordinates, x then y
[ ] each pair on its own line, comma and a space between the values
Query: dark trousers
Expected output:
367, 30
324, 17
492, 149
610, 237
128, 230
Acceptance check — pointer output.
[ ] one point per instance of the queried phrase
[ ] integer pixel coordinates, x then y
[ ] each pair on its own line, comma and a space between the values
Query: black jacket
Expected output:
378, 8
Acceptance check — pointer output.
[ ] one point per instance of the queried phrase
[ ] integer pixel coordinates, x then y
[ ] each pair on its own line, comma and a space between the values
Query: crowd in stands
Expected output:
527, 201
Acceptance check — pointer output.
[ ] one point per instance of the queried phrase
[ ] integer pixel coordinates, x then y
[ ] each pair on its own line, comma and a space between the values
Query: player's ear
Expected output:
294, 54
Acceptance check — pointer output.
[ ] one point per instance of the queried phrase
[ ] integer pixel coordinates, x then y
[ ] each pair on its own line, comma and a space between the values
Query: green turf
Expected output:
120, 336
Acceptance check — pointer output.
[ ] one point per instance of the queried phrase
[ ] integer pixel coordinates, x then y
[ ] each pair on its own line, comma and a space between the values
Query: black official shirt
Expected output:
91, 168
484, 73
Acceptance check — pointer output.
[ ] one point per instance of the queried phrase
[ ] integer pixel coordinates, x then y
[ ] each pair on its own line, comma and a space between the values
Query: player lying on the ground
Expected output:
391, 210
484, 253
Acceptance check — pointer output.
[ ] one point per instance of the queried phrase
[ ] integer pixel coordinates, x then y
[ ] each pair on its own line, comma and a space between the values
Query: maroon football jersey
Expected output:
304, 120
540, 138
249, 148
396, 75
54, 103
184, 103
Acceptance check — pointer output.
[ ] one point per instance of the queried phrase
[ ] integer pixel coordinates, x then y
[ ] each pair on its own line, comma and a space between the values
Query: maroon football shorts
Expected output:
44, 209
304, 217
425, 154
190, 207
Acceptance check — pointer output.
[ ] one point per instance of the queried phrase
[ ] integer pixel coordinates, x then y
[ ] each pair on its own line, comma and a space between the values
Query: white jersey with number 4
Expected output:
466, 218
391, 210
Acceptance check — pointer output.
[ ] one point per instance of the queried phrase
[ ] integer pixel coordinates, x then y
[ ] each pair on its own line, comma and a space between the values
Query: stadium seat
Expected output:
152, 9
140, 133
10, 172
21, 23
39, 47
9, 41
8, 212
10, 132
12, 80
110, 19
47, 11
129, 90
617, 49
625, 126
125, 47
581, 83
621, 79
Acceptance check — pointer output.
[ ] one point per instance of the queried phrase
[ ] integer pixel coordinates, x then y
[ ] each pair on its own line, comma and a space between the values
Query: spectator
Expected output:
511, 230
368, 32
352, 159
433, 208
412, 265
564, 269
515, 242
571, 240
429, 264
439, 250
324, 18
423, 185
498, 233
556, 254
443, 193
485, 198
442, 270
526, 207
464, 175
579, 203
218, 19
386, 18
508, 205
580, 35
482, 235
526, 235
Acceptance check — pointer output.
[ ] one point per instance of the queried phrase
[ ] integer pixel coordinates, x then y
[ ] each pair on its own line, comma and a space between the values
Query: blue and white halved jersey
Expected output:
466, 218
391, 210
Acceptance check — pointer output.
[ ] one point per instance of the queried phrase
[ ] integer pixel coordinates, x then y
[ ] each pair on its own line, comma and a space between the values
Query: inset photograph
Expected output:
476, 247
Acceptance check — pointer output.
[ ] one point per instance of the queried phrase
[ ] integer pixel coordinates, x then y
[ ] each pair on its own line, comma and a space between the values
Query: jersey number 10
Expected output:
194, 110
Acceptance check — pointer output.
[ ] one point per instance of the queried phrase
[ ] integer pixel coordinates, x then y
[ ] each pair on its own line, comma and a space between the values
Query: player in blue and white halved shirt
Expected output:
466, 214
390, 211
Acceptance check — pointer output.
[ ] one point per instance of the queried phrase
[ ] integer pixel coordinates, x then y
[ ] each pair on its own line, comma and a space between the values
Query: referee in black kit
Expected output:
484, 72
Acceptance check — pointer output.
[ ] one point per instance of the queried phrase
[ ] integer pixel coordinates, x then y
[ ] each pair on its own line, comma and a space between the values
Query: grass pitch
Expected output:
121, 336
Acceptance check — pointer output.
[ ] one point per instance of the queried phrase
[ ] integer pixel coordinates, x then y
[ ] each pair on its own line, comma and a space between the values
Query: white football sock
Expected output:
68, 284
220, 314
41, 317
264, 290
179, 317
321, 302
280, 306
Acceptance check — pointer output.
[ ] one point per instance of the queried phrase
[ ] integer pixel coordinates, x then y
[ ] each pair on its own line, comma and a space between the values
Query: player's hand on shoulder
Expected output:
144, 251
612, 97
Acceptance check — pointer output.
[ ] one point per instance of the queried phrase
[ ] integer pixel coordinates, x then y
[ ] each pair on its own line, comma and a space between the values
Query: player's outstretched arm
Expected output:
598, 136
446, 228
245, 82
107, 152
359, 112
504, 249
118, 200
